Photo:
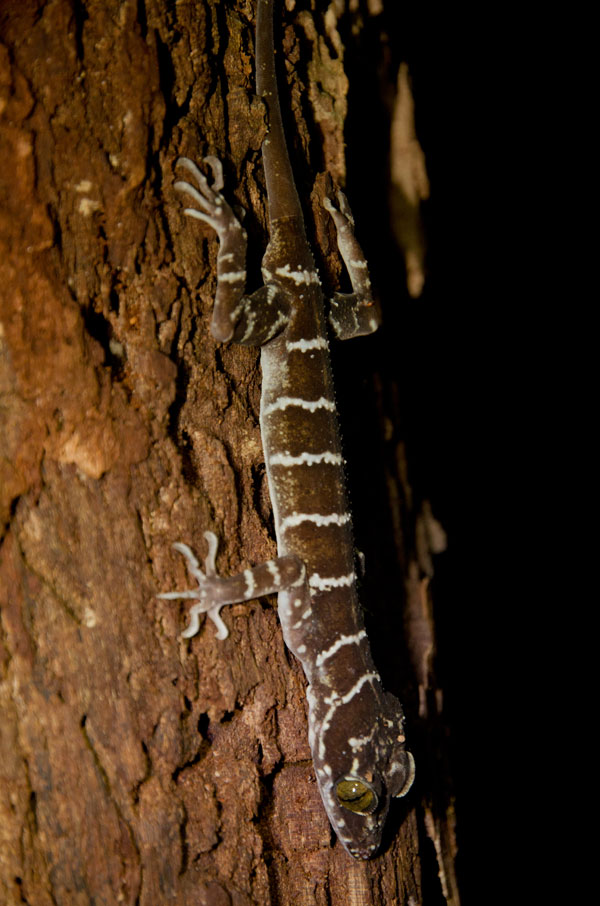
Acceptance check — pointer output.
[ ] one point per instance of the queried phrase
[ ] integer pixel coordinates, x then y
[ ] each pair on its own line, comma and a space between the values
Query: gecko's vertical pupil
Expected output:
356, 795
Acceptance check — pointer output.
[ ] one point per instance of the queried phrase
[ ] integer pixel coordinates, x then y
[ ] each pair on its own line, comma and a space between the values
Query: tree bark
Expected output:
135, 767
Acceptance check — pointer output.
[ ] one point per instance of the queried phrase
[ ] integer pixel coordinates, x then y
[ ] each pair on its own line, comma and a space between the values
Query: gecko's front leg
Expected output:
213, 592
231, 260
251, 320
351, 314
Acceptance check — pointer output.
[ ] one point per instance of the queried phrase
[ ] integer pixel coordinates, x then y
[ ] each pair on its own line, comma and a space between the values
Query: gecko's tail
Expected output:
281, 189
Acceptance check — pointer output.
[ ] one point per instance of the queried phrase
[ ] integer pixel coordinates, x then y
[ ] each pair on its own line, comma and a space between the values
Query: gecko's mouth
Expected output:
362, 850
362, 853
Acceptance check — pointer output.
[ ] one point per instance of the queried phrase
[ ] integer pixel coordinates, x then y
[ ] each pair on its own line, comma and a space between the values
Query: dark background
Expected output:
453, 354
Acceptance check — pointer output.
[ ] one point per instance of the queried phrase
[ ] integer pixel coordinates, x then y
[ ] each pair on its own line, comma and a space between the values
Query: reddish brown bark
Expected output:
135, 767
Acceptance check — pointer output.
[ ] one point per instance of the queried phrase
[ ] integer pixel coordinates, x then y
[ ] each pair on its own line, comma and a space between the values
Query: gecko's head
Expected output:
360, 768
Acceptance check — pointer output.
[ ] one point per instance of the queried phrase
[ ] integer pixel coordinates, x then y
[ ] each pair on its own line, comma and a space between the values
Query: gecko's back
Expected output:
355, 730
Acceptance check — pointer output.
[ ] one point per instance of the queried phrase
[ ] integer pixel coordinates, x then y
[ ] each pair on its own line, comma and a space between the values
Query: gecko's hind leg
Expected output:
248, 319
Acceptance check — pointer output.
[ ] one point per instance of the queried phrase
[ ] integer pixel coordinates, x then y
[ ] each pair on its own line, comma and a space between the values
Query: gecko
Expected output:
355, 728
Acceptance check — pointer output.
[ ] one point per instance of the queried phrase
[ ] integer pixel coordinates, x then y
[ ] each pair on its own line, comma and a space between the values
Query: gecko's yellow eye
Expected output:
356, 795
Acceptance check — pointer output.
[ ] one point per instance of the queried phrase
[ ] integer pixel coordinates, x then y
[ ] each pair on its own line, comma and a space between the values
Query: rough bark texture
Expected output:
136, 768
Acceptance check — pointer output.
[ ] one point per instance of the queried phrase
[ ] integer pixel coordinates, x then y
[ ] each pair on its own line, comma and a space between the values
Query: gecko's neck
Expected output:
281, 188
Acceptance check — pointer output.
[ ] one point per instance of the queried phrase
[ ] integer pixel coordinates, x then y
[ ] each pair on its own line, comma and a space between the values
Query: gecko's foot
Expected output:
214, 210
203, 592
342, 215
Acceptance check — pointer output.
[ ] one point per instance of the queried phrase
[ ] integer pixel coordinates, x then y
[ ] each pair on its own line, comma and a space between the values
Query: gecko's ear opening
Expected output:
356, 795
410, 776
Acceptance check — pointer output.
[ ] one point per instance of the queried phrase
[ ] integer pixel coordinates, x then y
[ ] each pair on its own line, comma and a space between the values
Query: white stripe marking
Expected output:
250, 583
282, 319
234, 315
306, 459
298, 518
299, 276
359, 742
232, 276
334, 701
274, 572
343, 640
249, 326
306, 345
312, 405
299, 581
328, 582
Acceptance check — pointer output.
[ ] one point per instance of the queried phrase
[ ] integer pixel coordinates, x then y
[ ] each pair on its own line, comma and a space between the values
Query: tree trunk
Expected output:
138, 768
